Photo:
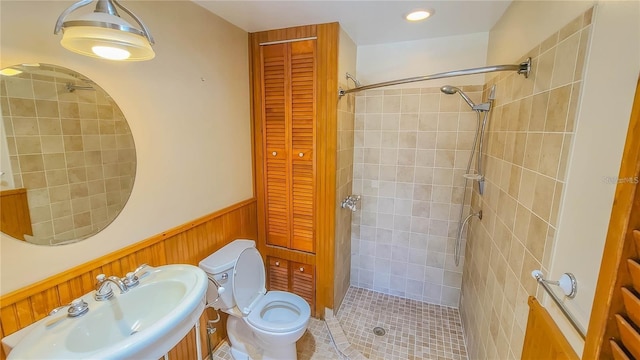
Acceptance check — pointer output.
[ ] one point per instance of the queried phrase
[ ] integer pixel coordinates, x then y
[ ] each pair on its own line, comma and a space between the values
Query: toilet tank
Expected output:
219, 266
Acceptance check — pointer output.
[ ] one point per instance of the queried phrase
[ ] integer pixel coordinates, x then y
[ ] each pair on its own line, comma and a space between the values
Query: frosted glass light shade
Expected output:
83, 40
105, 35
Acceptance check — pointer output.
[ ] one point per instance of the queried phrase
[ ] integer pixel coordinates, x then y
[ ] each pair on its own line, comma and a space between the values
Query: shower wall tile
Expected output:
347, 122
530, 135
411, 149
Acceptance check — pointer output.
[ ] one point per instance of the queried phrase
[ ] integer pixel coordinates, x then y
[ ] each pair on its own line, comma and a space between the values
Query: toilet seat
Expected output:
273, 311
248, 280
279, 312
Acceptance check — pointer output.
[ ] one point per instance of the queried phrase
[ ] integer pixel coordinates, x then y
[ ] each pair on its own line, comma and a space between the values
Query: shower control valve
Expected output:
350, 202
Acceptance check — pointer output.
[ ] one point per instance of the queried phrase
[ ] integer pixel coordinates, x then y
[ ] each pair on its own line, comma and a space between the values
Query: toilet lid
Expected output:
248, 280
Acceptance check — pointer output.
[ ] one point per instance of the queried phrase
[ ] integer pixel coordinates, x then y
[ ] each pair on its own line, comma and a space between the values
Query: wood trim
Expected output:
14, 213
625, 217
187, 243
258, 141
327, 108
292, 33
543, 339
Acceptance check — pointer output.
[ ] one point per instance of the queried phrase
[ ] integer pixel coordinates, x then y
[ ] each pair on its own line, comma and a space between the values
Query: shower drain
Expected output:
378, 331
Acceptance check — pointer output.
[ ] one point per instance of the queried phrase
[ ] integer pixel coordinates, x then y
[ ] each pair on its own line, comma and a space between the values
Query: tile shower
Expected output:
411, 150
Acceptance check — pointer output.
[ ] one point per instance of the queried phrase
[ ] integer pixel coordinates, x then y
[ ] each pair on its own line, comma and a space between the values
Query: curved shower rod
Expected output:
523, 68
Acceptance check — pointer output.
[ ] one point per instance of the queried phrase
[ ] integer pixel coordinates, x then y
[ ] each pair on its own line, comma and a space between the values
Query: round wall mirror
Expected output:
67, 156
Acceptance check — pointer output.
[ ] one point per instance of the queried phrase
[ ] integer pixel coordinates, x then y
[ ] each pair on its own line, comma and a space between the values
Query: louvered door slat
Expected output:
275, 125
636, 240
631, 305
634, 271
629, 336
618, 352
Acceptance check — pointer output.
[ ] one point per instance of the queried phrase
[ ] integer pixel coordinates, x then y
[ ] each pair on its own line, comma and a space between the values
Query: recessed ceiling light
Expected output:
419, 14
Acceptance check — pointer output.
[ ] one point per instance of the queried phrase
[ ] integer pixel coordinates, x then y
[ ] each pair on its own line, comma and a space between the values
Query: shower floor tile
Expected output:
414, 330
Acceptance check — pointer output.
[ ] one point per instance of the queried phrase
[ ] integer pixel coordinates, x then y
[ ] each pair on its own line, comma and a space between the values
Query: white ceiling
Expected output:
367, 22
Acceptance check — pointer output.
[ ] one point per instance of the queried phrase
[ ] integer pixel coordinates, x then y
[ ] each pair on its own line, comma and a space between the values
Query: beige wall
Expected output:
612, 61
188, 110
392, 61
344, 169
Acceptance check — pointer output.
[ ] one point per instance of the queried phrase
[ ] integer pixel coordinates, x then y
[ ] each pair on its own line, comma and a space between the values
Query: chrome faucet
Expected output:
130, 280
103, 287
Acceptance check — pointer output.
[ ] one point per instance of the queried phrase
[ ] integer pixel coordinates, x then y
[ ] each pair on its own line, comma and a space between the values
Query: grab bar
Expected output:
568, 284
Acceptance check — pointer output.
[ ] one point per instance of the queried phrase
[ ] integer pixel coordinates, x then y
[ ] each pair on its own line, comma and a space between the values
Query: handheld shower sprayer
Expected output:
450, 90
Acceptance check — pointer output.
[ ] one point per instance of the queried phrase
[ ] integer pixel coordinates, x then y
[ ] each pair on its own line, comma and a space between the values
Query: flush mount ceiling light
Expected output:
420, 14
104, 34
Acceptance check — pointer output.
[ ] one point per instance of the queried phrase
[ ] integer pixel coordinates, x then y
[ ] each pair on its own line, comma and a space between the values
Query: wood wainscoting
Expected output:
543, 339
185, 244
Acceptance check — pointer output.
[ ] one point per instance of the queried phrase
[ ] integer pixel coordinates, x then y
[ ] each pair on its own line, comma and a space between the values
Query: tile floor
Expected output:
414, 330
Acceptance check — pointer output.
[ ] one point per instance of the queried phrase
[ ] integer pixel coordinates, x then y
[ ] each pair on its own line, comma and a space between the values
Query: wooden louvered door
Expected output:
627, 344
302, 143
275, 81
288, 82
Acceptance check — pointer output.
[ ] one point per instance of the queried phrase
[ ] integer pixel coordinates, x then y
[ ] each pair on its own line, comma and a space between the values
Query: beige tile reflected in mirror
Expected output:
70, 146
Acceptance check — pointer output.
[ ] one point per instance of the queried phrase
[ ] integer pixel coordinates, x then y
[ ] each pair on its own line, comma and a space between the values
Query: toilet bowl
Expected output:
262, 323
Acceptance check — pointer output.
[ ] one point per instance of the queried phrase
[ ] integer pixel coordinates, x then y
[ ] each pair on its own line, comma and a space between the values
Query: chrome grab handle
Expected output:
569, 286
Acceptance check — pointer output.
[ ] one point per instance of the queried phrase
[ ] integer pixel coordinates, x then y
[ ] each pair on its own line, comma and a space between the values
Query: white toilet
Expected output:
262, 324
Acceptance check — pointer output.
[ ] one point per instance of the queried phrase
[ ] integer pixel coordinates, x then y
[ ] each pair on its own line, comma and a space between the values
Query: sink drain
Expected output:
378, 331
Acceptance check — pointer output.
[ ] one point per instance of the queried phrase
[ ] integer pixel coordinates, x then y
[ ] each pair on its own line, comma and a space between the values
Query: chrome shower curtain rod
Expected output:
522, 68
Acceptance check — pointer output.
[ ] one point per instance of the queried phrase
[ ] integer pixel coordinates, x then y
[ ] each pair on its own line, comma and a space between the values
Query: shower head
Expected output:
450, 90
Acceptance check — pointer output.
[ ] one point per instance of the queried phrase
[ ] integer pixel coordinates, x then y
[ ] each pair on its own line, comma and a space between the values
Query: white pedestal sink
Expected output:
143, 323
